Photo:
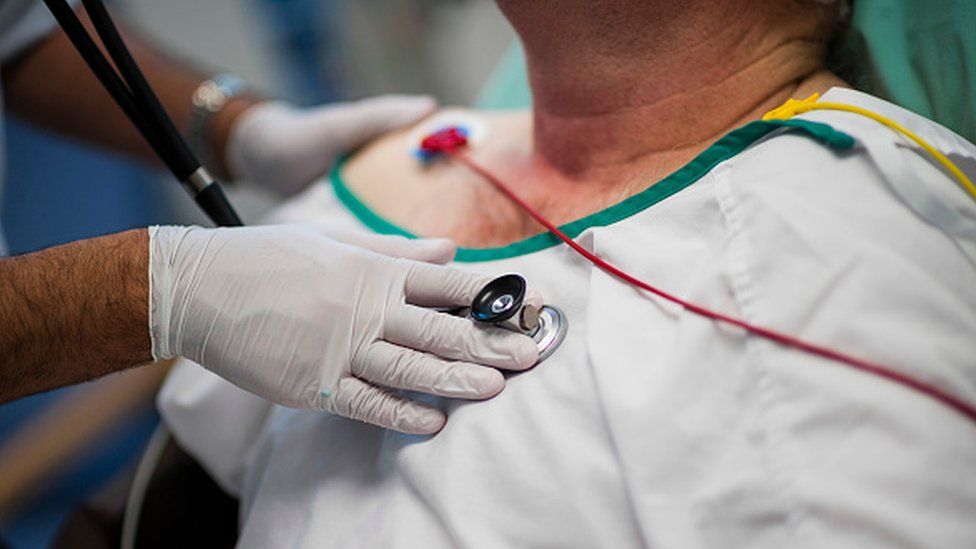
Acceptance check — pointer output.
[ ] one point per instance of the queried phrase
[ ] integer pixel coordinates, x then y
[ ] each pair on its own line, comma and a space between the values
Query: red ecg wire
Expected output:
451, 141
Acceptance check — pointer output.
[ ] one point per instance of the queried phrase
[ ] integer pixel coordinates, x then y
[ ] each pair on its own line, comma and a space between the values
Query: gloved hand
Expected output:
287, 148
313, 317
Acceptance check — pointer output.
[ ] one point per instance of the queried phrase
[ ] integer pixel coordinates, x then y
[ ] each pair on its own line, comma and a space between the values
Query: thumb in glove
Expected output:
287, 148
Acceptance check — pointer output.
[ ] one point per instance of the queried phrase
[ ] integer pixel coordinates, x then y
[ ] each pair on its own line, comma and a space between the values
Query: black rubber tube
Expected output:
213, 201
109, 79
184, 162
134, 95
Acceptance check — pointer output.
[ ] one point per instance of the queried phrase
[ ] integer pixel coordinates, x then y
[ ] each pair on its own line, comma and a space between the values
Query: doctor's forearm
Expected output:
73, 313
50, 86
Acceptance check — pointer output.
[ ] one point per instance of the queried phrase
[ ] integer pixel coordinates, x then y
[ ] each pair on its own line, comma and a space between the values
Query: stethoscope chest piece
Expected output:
551, 332
502, 303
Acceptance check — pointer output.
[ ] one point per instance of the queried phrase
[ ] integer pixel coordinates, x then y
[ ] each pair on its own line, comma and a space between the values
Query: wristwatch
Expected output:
208, 100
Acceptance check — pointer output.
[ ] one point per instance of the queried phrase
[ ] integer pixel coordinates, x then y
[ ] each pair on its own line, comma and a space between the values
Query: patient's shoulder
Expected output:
388, 176
396, 152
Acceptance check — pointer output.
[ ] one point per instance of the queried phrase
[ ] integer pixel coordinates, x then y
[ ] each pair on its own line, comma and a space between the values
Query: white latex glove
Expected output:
306, 316
287, 148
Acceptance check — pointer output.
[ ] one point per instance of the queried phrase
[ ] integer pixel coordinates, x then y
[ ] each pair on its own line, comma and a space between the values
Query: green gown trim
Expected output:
725, 148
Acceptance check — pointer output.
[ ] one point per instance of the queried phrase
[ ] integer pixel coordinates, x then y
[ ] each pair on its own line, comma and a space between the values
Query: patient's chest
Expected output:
536, 452
443, 198
537, 460
541, 464
654, 427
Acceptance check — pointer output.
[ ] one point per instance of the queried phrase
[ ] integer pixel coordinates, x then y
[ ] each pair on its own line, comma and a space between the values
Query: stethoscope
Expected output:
133, 94
501, 302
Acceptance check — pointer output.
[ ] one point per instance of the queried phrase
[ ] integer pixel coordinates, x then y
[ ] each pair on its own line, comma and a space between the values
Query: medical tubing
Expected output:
135, 97
213, 201
109, 79
945, 398
949, 165
183, 162
795, 107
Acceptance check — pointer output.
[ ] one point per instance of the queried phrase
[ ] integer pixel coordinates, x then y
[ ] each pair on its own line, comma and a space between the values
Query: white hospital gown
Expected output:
654, 427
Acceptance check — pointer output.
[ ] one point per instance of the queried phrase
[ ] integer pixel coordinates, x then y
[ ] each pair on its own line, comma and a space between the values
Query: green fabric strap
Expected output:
724, 149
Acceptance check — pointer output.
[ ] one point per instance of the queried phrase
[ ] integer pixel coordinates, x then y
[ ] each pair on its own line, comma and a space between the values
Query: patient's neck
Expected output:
632, 83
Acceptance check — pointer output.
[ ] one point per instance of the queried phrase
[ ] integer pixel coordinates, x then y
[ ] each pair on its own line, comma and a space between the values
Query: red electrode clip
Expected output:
444, 141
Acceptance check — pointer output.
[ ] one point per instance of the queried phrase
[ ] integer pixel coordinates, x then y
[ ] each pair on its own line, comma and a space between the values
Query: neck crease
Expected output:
634, 84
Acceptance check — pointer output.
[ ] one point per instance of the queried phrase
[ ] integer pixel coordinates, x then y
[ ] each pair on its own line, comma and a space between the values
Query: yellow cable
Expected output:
794, 107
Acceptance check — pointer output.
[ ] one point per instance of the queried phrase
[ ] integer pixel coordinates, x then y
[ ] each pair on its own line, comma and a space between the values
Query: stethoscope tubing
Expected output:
134, 95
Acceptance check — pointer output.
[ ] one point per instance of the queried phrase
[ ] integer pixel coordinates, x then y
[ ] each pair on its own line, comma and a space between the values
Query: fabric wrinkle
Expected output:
652, 427
746, 295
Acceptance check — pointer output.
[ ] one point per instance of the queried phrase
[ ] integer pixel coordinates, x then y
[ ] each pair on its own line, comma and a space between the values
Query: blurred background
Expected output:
57, 449
60, 448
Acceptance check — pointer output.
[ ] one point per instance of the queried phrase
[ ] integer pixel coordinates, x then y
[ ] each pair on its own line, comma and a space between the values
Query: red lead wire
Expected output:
450, 141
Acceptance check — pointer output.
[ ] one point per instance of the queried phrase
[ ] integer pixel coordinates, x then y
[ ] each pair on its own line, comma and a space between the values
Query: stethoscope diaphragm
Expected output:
502, 303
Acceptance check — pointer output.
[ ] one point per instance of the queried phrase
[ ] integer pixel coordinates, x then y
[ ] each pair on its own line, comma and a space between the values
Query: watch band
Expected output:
208, 100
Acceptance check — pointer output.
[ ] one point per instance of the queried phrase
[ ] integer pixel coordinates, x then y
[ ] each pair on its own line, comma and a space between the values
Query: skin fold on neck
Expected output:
624, 93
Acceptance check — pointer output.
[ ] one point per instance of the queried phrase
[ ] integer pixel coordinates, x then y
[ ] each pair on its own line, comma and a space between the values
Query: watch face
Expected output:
209, 96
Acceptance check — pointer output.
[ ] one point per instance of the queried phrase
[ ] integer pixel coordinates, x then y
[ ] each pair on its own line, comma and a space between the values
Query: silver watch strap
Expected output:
208, 100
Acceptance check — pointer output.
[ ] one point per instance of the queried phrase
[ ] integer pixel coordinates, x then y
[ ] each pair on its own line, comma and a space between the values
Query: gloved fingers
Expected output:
438, 286
456, 338
533, 298
438, 251
430, 250
347, 126
361, 401
285, 147
401, 368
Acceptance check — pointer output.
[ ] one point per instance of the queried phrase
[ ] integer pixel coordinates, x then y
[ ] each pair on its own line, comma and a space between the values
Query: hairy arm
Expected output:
51, 86
73, 313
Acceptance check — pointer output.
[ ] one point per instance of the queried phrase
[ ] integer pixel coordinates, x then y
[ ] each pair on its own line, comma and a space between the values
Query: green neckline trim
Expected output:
725, 148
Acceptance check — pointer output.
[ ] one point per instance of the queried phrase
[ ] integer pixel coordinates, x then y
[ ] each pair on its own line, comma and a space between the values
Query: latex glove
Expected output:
287, 148
305, 316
